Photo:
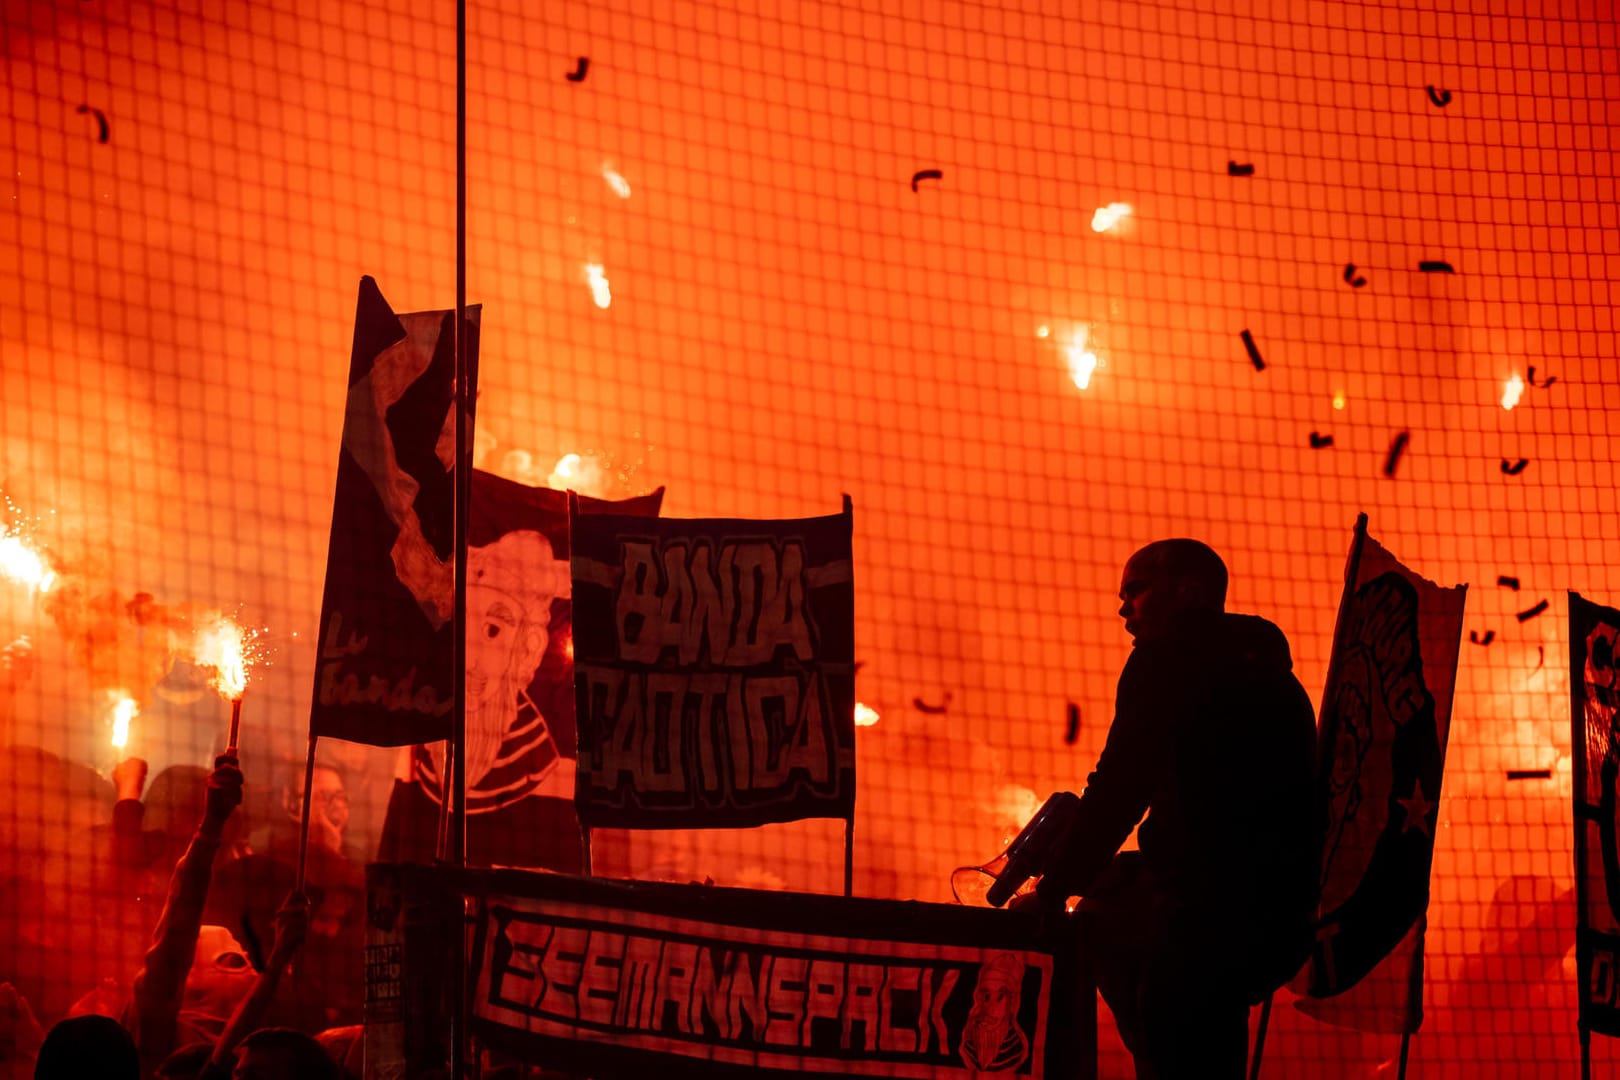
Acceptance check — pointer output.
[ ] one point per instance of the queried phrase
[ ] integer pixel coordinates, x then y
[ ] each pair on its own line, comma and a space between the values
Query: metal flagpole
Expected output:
456, 781
1581, 815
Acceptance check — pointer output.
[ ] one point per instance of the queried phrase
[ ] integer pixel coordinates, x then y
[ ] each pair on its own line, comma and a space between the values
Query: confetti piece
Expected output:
1441, 98
1490, 636
1234, 169
1071, 732
104, 132
933, 710
1529, 774
1350, 275
1530, 613
578, 74
1396, 449
1541, 658
1254, 351
925, 174
1544, 383
1516, 467
1508, 582
1436, 266
1320, 441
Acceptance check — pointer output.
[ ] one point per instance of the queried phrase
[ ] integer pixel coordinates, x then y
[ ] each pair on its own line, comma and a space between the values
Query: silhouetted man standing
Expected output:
1214, 738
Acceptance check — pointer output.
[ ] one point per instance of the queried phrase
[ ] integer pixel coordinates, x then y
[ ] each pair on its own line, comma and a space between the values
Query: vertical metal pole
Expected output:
849, 855
303, 831
457, 780
1406, 1045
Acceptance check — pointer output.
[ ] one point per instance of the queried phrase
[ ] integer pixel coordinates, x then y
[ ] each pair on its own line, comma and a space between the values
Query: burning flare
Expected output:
1081, 364
231, 651
21, 563
1512, 391
576, 473
596, 275
125, 709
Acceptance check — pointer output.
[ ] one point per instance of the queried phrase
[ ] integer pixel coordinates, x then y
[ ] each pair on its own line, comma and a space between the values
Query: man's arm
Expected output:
162, 979
1120, 788
292, 923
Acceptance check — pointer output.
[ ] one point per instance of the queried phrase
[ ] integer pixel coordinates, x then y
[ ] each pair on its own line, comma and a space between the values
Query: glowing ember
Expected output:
575, 473
1338, 399
620, 186
1512, 391
1081, 364
231, 651
597, 277
1109, 216
865, 715
22, 564
1043, 331
124, 710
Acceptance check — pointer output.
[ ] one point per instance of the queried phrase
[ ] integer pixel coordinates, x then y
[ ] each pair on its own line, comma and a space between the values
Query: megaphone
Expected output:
1016, 870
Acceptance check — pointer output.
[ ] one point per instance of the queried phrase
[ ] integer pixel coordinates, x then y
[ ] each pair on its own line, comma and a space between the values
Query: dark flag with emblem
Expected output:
382, 672
1595, 712
1381, 753
521, 744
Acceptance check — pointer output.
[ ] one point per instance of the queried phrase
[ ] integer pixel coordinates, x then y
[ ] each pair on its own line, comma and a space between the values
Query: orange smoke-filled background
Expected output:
706, 265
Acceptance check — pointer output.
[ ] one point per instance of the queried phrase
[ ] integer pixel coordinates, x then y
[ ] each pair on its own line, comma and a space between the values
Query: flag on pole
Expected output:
384, 659
1381, 753
1595, 710
521, 742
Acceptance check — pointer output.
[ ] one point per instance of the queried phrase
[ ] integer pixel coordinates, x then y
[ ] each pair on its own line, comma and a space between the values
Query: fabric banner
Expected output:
382, 672
521, 744
714, 671
613, 979
1595, 711
1381, 754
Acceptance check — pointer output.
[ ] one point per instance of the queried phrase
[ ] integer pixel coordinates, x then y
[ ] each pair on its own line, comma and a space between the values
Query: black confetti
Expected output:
926, 174
1320, 441
104, 132
1508, 582
1350, 275
1516, 467
1541, 658
1490, 636
1234, 169
933, 710
1071, 732
1441, 98
1530, 377
1530, 613
1396, 448
1253, 350
578, 74
1529, 774
1436, 266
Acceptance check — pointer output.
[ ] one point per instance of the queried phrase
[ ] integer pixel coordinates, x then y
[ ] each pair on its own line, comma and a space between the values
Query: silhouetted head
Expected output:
87, 1046
1165, 579
282, 1054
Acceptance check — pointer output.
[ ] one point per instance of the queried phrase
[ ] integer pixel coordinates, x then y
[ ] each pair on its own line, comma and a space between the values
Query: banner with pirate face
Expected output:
1594, 633
714, 671
1381, 747
628, 979
383, 669
520, 737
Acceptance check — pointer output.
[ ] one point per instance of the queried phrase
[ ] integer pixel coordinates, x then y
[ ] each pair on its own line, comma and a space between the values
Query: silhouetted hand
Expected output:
129, 777
224, 791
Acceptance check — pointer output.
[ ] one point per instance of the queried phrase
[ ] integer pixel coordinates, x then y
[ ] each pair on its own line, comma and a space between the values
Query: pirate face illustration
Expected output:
511, 754
992, 1041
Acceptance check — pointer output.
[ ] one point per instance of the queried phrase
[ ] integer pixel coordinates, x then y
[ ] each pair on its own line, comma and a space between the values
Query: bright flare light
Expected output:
1109, 216
1511, 392
22, 564
620, 186
1081, 364
865, 715
597, 276
124, 710
1338, 399
575, 473
230, 651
